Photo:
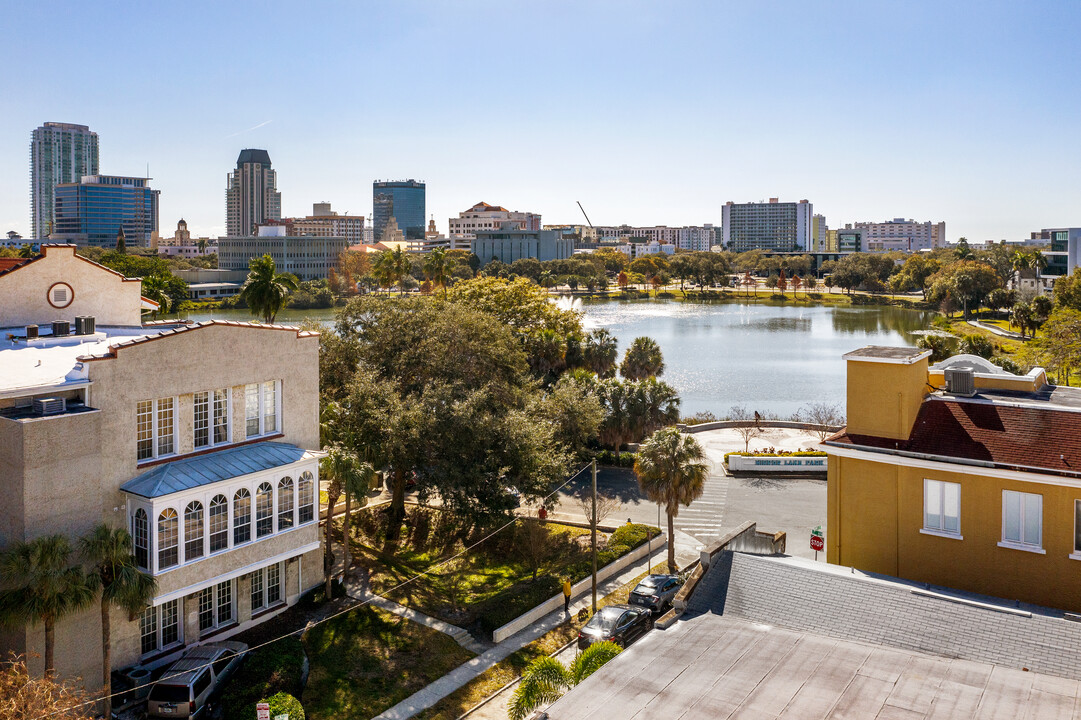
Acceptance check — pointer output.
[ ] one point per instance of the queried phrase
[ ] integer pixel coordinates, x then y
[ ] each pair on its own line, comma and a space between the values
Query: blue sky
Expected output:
646, 112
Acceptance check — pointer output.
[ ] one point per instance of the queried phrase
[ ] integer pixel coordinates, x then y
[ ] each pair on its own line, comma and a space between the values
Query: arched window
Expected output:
285, 503
241, 516
219, 523
193, 530
264, 516
168, 538
306, 498
141, 534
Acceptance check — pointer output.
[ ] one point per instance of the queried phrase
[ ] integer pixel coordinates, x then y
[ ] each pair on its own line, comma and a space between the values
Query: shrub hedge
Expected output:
269, 671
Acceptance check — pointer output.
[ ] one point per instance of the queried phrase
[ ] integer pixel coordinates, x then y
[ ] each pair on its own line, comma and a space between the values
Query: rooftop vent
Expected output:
960, 381
49, 406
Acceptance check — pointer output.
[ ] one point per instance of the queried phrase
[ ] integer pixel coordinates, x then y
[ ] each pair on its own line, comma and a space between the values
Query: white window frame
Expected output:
212, 410
214, 592
255, 401
1024, 497
159, 628
156, 436
263, 575
941, 488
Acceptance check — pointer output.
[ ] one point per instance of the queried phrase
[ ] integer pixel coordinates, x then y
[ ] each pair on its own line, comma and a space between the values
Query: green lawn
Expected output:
368, 660
494, 583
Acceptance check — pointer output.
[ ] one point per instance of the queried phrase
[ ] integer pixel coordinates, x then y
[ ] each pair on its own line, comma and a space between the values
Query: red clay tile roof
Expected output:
187, 327
10, 263
1004, 435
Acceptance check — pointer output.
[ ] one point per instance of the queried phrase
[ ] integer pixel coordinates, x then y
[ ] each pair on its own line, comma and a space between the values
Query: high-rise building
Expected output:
93, 210
251, 194
818, 233
773, 225
404, 201
902, 235
483, 216
59, 153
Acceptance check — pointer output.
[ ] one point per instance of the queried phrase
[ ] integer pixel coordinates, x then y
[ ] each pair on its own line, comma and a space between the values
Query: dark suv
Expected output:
655, 592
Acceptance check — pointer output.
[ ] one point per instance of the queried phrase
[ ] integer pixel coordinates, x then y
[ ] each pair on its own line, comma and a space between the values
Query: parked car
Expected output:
622, 624
186, 688
655, 592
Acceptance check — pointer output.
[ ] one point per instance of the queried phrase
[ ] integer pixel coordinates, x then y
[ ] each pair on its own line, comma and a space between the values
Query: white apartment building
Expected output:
212, 465
324, 222
774, 225
484, 217
902, 235
690, 237
639, 249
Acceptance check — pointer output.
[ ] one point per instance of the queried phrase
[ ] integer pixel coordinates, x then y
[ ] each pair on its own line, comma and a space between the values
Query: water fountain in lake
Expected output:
568, 302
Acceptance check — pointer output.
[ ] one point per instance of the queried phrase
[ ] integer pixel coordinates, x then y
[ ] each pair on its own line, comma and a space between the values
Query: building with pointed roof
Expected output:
251, 194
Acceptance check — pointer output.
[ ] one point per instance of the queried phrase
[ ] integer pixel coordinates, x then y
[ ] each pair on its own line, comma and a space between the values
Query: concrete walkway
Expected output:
436, 691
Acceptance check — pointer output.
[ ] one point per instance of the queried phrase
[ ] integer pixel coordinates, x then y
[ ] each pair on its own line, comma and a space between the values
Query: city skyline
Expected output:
650, 115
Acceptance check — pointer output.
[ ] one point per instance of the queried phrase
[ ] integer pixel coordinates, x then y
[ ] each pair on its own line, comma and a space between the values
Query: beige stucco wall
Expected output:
98, 291
69, 469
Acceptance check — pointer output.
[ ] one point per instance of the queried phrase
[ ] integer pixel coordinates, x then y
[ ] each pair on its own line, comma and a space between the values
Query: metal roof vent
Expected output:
49, 406
960, 381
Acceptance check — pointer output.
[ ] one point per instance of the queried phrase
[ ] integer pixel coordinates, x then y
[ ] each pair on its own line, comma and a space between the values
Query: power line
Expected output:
349, 609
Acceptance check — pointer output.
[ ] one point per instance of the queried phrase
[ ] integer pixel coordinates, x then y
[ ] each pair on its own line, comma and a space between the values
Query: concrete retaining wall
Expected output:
552, 604
777, 464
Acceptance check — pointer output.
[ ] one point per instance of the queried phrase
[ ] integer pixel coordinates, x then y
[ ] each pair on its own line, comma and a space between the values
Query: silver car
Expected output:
189, 683
655, 592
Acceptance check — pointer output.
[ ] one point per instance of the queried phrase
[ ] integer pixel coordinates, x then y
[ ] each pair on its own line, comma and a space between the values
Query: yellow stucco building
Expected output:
973, 484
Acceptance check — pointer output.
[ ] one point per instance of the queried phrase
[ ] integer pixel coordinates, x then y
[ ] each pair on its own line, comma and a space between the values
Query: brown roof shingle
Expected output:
1046, 438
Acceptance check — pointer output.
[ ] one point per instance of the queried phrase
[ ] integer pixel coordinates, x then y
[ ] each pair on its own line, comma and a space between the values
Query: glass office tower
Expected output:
91, 212
404, 201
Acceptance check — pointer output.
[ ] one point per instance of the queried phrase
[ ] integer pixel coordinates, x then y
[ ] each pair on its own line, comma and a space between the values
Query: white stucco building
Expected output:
902, 235
484, 217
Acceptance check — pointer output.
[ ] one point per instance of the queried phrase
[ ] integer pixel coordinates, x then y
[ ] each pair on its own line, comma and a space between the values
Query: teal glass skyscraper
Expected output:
404, 201
93, 211
59, 153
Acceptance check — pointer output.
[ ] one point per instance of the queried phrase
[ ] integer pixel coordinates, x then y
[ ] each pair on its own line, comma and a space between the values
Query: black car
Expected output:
655, 592
622, 624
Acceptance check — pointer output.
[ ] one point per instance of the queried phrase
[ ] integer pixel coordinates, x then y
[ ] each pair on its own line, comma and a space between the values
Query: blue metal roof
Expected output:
194, 472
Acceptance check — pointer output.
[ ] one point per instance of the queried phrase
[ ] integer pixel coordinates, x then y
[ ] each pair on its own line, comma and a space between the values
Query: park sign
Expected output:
777, 463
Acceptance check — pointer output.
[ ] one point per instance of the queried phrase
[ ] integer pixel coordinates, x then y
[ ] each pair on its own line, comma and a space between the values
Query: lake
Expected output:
767, 357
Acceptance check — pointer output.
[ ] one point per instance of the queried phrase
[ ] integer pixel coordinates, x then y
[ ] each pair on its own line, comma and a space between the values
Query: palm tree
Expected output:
109, 550
546, 679
353, 476
671, 472
43, 586
266, 290
201, 244
600, 352
154, 289
643, 359
437, 268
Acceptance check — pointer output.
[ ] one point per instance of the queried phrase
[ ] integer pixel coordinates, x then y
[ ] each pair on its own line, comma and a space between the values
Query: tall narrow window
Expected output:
219, 523
193, 531
202, 419
285, 503
145, 429
273, 584
1022, 519
942, 507
148, 629
257, 600
251, 410
221, 416
264, 516
306, 498
168, 539
140, 527
165, 426
270, 407
225, 602
1077, 526
241, 517
170, 623
206, 609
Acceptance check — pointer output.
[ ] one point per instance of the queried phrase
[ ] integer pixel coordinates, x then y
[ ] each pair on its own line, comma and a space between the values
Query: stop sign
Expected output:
818, 543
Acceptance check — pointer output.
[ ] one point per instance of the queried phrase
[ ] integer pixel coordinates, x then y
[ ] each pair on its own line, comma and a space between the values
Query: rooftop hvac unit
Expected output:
960, 381
84, 325
49, 406
31, 332
61, 328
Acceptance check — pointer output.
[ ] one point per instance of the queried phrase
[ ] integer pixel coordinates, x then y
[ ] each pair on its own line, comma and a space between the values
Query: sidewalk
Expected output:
436, 691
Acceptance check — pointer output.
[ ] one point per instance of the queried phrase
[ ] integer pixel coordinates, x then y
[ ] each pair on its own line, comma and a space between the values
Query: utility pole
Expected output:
594, 527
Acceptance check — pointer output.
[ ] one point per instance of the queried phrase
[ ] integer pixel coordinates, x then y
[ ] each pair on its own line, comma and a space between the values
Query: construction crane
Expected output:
584, 213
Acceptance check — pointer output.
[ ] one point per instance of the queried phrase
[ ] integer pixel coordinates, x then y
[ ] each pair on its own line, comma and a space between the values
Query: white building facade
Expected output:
902, 235
483, 217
